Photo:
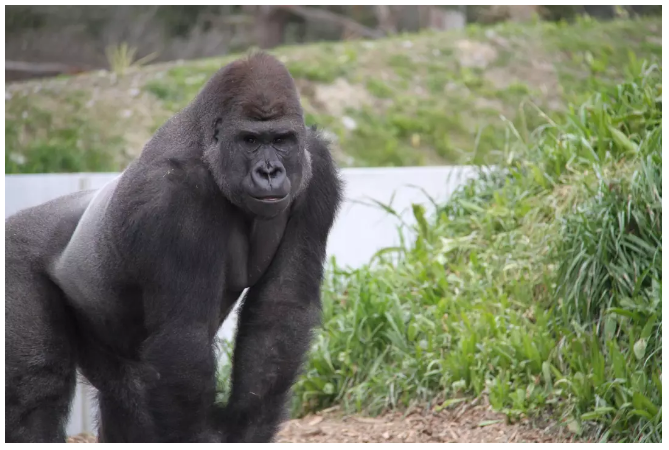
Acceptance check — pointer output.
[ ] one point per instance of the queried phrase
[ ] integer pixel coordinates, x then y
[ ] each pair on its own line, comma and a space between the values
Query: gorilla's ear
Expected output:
217, 128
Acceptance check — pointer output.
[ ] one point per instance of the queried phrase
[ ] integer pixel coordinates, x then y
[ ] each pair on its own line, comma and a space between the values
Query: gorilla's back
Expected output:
31, 236
33, 233
76, 267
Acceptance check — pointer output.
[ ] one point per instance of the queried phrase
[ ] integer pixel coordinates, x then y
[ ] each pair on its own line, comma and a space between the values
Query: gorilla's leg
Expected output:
119, 423
267, 358
116, 424
122, 388
40, 371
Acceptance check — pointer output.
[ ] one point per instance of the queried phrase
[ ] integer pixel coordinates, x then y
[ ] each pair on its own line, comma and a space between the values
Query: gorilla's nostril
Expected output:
275, 171
269, 170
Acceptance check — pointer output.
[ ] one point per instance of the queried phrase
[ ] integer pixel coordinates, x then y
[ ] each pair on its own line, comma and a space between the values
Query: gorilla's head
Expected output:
255, 137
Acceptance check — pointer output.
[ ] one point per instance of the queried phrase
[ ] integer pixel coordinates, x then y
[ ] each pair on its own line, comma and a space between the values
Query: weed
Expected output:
121, 57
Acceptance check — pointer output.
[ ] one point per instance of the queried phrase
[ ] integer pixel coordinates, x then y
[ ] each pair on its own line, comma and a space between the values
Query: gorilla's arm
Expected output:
277, 317
181, 352
273, 334
182, 286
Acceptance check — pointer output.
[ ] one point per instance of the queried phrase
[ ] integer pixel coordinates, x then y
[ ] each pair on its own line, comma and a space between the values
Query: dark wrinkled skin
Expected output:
130, 283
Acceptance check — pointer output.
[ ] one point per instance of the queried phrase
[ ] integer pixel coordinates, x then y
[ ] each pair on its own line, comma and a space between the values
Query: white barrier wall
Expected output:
359, 232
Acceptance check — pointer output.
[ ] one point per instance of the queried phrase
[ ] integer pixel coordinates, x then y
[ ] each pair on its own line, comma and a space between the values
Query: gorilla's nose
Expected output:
269, 175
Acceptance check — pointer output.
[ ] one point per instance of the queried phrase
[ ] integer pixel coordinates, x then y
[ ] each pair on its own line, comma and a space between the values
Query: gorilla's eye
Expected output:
283, 140
250, 139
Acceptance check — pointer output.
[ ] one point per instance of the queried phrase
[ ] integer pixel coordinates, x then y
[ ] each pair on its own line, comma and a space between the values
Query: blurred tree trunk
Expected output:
270, 24
441, 18
387, 18
600, 11
408, 18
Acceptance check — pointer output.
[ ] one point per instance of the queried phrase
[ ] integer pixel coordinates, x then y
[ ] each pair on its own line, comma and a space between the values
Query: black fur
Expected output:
131, 283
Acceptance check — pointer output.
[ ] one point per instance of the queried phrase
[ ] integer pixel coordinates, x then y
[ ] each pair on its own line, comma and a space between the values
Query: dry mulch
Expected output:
464, 423
468, 422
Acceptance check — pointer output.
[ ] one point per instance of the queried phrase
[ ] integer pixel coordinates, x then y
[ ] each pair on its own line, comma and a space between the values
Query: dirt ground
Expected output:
468, 422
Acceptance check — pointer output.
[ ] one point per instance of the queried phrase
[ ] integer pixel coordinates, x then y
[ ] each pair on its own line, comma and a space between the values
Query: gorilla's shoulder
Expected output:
168, 177
325, 192
151, 194
318, 146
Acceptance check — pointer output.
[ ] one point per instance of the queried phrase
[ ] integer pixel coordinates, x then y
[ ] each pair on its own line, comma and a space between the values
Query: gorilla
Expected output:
130, 283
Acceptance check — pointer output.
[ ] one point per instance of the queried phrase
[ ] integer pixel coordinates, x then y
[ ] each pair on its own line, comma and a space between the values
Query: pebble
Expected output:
349, 123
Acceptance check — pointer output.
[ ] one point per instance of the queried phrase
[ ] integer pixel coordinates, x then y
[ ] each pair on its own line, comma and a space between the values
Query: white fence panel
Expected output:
359, 232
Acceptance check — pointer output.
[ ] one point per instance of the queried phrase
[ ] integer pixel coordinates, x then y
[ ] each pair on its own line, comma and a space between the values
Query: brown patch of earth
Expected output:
464, 424
468, 422
535, 69
335, 98
475, 54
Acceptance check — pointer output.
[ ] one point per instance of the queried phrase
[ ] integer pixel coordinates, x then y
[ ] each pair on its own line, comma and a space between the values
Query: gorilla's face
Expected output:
262, 163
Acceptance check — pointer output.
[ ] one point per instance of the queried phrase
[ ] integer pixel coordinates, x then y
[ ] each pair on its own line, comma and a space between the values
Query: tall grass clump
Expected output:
121, 58
538, 284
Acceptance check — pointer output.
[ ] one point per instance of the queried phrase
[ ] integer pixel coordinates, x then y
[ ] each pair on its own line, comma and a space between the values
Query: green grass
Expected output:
538, 285
38, 140
415, 99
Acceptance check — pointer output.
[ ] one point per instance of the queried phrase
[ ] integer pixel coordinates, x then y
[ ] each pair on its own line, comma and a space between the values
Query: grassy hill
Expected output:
429, 98
537, 286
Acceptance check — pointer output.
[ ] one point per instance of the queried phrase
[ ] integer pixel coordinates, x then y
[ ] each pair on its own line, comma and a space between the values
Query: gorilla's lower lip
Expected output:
270, 199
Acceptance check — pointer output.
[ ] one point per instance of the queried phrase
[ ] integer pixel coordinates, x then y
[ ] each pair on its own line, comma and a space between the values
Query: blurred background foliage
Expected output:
390, 85
75, 37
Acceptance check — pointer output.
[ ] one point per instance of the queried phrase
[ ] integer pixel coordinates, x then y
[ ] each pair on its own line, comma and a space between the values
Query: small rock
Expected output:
368, 420
315, 432
386, 435
315, 420
134, 92
654, 40
17, 158
349, 123
407, 44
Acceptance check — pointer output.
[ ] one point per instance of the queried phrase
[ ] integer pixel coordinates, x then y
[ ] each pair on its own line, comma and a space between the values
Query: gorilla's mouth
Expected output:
270, 199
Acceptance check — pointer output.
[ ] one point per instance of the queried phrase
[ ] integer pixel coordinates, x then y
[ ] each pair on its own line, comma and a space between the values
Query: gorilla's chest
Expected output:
252, 246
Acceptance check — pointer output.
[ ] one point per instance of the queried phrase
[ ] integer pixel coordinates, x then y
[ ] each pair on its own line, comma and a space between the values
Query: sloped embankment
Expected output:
430, 98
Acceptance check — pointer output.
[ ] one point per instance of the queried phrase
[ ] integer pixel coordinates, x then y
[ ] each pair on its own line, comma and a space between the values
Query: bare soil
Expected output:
469, 422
